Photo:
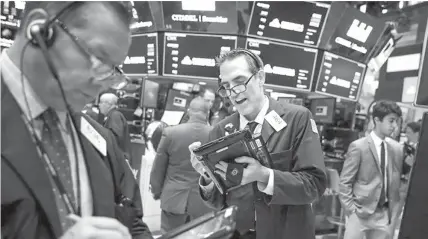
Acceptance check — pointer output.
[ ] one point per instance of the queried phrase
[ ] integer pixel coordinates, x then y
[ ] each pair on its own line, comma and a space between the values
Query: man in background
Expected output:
208, 96
370, 178
115, 121
173, 178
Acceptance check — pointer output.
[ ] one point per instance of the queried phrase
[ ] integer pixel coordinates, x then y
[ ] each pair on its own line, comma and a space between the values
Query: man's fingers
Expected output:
221, 174
221, 166
194, 145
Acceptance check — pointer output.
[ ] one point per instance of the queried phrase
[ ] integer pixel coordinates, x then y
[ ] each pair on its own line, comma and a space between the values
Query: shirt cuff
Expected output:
268, 189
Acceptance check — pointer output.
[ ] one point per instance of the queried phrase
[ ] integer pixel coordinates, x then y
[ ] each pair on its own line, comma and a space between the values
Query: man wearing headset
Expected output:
273, 203
54, 181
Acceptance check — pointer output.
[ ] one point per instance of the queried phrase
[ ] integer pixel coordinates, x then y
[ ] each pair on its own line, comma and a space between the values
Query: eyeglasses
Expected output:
100, 69
237, 89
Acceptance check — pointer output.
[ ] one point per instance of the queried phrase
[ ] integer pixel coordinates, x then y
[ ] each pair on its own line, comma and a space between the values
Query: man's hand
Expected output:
254, 172
196, 164
97, 228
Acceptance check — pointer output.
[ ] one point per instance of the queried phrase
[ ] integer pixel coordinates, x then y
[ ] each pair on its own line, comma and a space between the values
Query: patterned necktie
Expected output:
56, 150
252, 126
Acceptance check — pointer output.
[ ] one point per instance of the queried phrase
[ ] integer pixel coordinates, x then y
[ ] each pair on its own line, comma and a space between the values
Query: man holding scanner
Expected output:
272, 202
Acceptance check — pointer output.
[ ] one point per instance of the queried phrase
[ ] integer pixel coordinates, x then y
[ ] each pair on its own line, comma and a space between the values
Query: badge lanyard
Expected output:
54, 174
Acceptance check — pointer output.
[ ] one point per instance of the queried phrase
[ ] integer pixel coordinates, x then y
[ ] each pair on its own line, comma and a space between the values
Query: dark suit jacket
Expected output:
27, 199
299, 178
116, 122
361, 178
123, 177
172, 176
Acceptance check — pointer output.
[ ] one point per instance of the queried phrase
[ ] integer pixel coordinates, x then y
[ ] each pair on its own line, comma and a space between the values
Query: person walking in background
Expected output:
370, 178
115, 121
173, 178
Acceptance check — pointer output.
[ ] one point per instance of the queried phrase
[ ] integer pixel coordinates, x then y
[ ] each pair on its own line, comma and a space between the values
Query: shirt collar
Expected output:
12, 79
378, 141
260, 117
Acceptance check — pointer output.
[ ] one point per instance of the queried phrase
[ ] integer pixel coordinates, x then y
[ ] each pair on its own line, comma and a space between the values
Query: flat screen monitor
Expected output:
421, 98
340, 77
150, 91
295, 22
201, 16
356, 35
142, 56
323, 110
285, 65
193, 55
143, 21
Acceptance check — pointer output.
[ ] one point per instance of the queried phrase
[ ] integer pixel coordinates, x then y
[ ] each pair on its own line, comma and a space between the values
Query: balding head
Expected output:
198, 108
109, 98
108, 101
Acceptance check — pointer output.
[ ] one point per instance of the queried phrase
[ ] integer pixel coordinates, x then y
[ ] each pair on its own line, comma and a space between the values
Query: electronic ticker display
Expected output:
285, 65
356, 35
340, 77
193, 55
142, 55
201, 16
295, 22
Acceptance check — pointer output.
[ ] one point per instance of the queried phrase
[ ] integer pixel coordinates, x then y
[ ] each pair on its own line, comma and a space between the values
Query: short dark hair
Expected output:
254, 61
383, 108
121, 8
414, 126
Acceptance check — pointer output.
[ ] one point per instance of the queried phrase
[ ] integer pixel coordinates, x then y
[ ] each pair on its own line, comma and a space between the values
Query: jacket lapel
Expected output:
374, 152
102, 196
20, 152
267, 129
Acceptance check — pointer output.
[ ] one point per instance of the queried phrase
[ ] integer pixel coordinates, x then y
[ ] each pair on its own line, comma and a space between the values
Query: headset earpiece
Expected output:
38, 31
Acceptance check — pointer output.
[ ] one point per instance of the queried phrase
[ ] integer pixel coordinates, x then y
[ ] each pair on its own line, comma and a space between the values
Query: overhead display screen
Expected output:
142, 55
193, 55
296, 22
11, 12
340, 77
284, 64
356, 35
143, 21
201, 16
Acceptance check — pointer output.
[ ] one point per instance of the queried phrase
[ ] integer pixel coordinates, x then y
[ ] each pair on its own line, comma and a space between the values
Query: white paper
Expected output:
172, 117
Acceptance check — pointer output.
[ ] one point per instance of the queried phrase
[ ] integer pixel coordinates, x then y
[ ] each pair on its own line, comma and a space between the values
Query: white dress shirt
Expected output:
378, 141
12, 79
